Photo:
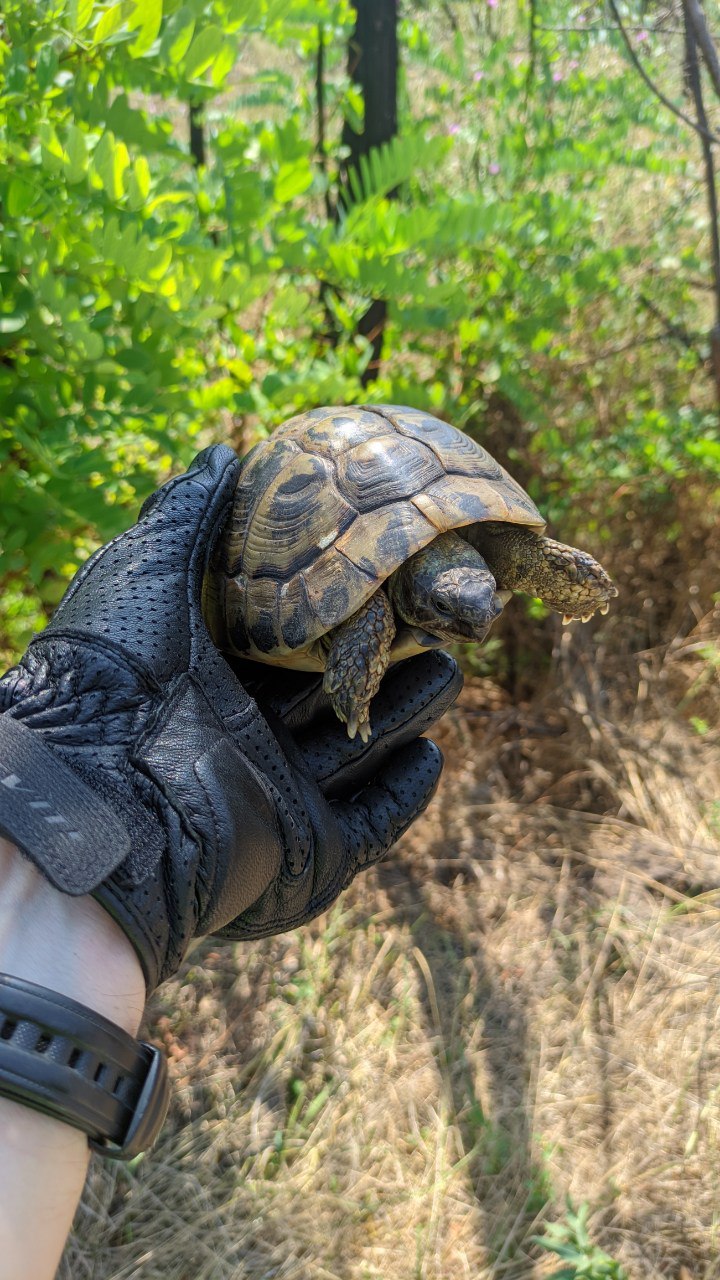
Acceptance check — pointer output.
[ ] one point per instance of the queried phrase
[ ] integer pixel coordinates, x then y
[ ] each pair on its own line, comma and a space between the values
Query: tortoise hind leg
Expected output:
358, 657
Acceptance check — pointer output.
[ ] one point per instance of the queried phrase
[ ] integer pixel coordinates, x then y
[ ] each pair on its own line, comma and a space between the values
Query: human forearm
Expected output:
71, 946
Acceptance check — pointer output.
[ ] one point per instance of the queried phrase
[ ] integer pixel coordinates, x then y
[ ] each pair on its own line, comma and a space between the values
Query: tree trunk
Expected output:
197, 134
373, 65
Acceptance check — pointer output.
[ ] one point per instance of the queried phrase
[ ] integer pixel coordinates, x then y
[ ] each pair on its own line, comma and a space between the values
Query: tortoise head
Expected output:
447, 591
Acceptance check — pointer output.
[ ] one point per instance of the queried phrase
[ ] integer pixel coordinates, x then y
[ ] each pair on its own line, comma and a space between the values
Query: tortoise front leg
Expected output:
358, 657
567, 580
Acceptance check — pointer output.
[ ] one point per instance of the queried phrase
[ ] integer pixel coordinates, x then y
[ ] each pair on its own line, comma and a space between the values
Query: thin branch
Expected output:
602, 26
698, 23
320, 97
330, 334
672, 330
696, 86
321, 149
698, 128
692, 283
532, 43
710, 185
610, 352
447, 10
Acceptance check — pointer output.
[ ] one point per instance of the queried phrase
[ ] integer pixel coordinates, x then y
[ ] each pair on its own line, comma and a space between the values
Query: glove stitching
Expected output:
215, 516
99, 644
141, 767
282, 923
204, 876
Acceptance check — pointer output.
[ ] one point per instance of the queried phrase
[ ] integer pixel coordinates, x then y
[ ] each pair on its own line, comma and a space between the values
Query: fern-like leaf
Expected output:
385, 168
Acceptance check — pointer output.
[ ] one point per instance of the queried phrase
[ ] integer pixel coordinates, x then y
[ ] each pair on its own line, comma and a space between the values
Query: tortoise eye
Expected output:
442, 606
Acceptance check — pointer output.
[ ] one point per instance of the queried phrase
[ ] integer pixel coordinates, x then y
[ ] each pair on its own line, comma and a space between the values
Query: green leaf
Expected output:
223, 64
76, 157
386, 167
110, 161
19, 197
51, 152
166, 197
89, 345
138, 186
176, 37
79, 14
292, 180
46, 66
160, 261
203, 52
111, 21
148, 17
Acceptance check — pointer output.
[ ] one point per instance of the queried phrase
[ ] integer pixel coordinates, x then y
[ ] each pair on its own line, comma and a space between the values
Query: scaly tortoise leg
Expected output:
358, 657
566, 579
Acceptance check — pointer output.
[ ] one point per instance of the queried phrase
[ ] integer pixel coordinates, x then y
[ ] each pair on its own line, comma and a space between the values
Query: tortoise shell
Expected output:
328, 507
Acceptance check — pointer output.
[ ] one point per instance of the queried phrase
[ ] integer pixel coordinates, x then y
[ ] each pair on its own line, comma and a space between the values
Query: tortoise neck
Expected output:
513, 553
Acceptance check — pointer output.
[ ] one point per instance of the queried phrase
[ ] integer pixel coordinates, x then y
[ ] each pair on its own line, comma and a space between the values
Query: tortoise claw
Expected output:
355, 725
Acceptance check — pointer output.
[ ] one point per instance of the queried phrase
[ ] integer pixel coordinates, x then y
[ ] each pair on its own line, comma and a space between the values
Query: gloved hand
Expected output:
134, 765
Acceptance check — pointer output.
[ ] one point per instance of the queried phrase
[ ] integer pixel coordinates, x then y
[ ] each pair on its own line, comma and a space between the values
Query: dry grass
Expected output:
522, 1003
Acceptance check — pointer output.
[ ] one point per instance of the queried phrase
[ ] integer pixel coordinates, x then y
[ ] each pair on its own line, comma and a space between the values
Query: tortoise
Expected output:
363, 534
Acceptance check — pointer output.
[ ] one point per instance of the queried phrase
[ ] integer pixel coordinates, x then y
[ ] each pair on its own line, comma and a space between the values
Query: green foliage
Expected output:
148, 305
571, 1242
119, 338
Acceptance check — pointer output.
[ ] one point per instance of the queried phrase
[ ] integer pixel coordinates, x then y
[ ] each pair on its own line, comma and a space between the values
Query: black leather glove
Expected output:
136, 767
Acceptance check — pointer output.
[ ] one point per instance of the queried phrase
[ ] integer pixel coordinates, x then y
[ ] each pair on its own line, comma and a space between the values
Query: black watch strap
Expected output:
67, 1061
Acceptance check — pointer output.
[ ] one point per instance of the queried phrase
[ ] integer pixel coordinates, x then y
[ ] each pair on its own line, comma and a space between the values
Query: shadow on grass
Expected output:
509, 1185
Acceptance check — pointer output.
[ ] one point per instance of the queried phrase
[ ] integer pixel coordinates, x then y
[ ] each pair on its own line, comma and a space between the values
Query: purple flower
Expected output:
479, 75
492, 4
573, 66
493, 168
557, 76
453, 129
642, 35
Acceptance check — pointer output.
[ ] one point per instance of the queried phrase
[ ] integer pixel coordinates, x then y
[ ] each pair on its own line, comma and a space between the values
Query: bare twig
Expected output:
694, 283
320, 98
320, 108
694, 124
594, 27
532, 42
698, 22
447, 10
330, 334
672, 329
693, 67
610, 352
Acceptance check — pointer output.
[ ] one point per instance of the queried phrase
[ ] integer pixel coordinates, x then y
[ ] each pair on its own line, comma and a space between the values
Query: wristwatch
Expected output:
65, 1060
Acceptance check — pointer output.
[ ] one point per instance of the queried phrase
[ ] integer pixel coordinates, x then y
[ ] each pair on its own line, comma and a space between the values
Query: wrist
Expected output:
70, 945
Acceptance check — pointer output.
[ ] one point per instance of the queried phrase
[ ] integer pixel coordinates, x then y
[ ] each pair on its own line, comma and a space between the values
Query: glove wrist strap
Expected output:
68, 831
65, 1060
